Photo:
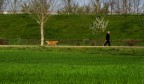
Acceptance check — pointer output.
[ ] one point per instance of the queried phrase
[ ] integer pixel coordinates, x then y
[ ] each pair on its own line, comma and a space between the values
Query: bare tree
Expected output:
40, 10
138, 6
106, 8
70, 6
134, 6
124, 10
96, 5
129, 7
80, 10
15, 5
112, 3
141, 6
117, 7
87, 9
67, 6
84, 8
3, 4
142, 9
75, 7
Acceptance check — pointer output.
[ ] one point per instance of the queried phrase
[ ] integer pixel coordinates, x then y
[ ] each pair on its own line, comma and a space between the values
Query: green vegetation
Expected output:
57, 65
21, 29
72, 65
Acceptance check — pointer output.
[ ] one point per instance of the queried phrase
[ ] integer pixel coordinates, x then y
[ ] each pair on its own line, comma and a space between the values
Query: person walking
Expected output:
107, 38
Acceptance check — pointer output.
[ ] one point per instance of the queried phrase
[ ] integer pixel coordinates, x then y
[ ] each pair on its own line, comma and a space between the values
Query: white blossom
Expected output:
98, 25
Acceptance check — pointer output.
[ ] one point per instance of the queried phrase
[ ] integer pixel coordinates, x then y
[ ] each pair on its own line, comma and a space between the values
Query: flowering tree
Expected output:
98, 26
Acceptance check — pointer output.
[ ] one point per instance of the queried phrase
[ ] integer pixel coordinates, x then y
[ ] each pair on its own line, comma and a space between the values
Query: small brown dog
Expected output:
52, 43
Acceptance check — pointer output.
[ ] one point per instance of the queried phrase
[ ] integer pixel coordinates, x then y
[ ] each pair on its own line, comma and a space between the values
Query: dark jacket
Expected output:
107, 37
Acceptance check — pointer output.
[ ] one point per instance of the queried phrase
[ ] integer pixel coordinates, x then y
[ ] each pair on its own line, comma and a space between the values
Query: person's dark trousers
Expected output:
107, 42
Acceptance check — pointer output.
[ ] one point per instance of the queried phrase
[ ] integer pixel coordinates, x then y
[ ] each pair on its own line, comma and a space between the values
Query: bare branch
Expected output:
3, 5
39, 10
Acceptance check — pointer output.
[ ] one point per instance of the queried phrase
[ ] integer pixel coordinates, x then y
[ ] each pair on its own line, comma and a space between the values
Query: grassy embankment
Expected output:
72, 65
21, 29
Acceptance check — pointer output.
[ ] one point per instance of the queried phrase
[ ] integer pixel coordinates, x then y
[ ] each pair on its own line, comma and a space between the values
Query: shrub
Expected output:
131, 42
3, 42
93, 42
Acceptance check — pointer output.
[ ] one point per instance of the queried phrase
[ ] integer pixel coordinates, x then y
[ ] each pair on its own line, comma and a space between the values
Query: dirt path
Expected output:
30, 46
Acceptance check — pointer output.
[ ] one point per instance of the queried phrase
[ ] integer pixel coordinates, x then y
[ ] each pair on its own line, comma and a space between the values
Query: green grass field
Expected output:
56, 65
70, 29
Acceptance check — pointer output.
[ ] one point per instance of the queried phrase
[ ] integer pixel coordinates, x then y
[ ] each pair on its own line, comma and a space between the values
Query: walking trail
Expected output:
31, 46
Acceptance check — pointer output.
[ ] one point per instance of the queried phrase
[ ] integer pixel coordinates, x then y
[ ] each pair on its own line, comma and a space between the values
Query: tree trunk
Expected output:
111, 9
134, 6
42, 31
98, 6
14, 6
118, 7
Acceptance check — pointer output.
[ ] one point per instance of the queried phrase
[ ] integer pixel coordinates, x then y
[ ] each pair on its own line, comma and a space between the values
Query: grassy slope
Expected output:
70, 27
72, 65
75, 26
18, 26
